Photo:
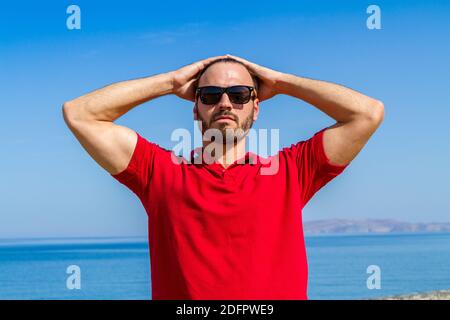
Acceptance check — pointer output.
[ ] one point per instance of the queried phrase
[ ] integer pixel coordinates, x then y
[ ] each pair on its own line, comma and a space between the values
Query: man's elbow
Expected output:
67, 112
72, 113
376, 113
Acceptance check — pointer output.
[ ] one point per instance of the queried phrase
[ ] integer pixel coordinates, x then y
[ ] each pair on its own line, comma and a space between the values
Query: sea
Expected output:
341, 267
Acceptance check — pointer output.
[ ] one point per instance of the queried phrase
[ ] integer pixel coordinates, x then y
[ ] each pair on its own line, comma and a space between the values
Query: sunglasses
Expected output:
237, 94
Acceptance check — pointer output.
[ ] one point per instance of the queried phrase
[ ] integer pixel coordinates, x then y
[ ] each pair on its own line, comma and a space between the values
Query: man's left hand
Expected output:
268, 78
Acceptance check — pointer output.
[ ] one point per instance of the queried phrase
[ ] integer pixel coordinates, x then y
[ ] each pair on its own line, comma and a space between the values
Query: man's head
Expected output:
227, 72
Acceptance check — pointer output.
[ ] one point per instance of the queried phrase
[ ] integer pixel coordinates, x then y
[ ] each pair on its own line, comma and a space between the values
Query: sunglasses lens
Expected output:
210, 95
239, 94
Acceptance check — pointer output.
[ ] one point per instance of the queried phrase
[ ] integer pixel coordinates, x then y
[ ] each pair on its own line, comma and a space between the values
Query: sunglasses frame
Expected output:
225, 90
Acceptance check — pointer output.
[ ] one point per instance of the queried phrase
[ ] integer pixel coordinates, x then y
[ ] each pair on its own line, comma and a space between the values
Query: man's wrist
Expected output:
283, 83
169, 77
164, 83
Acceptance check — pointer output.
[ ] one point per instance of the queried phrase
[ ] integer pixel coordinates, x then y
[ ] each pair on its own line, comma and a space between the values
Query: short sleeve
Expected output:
137, 175
314, 168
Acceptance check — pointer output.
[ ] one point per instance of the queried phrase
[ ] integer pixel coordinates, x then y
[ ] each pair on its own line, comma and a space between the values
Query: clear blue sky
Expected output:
51, 188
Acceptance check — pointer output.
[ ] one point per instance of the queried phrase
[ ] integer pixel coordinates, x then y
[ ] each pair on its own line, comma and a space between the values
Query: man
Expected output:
220, 229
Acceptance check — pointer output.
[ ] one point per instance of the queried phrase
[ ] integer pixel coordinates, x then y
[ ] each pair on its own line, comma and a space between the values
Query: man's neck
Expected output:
230, 152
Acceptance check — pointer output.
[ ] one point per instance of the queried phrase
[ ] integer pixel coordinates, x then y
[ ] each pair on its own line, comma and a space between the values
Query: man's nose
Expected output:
225, 102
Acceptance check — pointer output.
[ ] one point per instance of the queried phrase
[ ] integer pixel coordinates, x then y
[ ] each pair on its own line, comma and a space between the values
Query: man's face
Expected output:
225, 74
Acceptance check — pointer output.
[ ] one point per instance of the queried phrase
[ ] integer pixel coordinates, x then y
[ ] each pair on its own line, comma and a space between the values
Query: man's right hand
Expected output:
183, 79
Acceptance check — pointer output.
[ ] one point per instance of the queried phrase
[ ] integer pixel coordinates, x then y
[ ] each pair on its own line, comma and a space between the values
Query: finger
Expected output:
195, 68
200, 65
252, 66
239, 59
211, 59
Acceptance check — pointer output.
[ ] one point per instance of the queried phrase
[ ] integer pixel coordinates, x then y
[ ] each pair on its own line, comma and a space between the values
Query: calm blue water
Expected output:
119, 268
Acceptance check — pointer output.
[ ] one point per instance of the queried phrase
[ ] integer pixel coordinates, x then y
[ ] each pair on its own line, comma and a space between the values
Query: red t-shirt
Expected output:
232, 233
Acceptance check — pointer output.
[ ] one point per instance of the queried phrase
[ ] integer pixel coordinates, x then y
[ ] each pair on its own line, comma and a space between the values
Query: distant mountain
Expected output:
370, 226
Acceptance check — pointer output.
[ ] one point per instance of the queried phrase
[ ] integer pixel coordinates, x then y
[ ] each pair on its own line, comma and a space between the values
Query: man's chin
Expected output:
221, 126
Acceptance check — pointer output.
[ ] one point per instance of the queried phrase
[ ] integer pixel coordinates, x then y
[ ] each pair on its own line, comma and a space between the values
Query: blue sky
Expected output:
51, 188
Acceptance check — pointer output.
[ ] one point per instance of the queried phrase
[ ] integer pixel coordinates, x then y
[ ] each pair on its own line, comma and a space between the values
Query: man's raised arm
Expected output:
357, 116
91, 116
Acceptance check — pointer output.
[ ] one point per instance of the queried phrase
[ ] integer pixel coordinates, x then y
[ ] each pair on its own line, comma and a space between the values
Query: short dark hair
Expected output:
230, 60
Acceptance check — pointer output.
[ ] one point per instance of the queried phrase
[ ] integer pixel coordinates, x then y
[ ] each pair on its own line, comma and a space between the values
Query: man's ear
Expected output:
195, 110
256, 109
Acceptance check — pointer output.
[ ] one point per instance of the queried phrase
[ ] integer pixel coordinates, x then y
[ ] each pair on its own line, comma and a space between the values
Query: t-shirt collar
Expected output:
249, 158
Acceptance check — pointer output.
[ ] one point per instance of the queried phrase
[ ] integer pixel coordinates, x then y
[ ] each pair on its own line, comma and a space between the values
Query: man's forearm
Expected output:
111, 102
340, 103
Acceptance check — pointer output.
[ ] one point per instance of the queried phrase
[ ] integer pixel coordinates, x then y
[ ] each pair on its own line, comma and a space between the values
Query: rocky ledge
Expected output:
432, 295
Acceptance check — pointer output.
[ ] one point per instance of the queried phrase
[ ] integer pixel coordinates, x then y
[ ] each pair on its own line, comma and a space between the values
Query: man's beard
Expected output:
229, 135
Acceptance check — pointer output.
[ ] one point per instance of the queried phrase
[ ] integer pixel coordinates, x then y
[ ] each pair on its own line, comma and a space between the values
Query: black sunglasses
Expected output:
237, 94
